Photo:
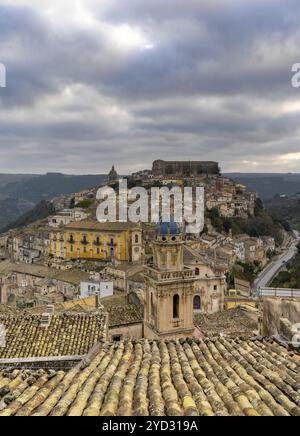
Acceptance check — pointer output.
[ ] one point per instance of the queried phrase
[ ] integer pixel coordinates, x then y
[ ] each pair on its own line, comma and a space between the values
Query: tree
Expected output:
259, 207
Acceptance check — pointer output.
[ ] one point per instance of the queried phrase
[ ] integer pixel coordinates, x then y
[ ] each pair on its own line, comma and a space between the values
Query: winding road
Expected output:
266, 277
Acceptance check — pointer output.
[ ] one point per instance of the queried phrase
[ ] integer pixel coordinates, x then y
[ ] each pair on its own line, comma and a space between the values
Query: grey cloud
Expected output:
237, 55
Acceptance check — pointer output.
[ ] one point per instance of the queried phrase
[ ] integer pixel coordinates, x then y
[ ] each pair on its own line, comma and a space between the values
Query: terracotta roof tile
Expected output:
178, 377
69, 334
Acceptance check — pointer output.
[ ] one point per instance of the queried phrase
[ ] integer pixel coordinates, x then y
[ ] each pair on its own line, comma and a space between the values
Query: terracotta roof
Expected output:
122, 315
120, 311
72, 276
101, 227
8, 310
174, 378
68, 334
231, 322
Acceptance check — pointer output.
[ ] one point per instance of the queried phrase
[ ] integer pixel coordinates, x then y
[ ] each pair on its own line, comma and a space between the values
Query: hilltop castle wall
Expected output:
184, 168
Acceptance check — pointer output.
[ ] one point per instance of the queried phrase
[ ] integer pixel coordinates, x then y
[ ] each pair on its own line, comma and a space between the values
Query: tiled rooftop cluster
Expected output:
232, 322
179, 377
120, 311
68, 334
122, 315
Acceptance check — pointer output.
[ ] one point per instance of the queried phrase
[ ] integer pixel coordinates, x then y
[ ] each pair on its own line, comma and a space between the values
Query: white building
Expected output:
103, 289
240, 250
66, 217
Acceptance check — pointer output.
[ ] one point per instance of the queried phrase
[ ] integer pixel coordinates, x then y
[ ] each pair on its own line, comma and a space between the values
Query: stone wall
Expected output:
279, 316
126, 332
182, 168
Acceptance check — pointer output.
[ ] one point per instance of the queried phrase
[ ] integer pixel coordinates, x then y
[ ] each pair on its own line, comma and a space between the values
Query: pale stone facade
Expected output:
175, 291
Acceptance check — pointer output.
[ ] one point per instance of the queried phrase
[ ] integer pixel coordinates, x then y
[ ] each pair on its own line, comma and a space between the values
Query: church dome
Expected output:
167, 228
113, 175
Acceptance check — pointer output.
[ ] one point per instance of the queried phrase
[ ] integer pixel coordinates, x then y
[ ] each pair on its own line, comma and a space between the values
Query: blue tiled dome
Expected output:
165, 229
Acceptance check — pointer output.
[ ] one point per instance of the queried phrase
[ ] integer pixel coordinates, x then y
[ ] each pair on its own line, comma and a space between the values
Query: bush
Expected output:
85, 204
262, 224
289, 278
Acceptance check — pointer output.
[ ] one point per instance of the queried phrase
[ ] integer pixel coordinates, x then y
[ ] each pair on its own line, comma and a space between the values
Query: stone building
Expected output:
98, 241
210, 285
17, 278
67, 216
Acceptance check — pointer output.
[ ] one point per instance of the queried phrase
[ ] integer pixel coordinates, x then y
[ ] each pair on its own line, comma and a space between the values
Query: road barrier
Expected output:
279, 292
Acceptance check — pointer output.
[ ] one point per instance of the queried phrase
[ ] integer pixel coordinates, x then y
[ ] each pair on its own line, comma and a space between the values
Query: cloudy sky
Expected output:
96, 82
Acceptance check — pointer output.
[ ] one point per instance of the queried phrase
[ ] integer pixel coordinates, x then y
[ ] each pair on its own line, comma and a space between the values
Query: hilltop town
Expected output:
93, 304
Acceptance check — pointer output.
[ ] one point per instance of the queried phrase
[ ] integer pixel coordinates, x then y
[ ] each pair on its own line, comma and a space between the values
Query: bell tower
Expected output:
168, 248
136, 245
169, 287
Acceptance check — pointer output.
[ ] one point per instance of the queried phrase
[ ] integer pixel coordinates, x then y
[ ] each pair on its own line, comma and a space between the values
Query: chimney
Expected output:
98, 301
45, 320
50, 309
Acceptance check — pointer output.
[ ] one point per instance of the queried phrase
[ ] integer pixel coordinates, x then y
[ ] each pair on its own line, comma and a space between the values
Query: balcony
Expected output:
186, 274
97, 243
71, 241
84, 242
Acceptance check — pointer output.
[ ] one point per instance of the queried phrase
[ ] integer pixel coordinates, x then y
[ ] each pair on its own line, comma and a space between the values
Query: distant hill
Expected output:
21, 193
269, 185
286, 209
11, 209
50, 185
41, 211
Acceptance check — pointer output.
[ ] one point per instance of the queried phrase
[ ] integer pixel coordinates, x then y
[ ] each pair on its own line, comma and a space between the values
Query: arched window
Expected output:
137, 239
152, 306
197, 303
197, 271
176, 306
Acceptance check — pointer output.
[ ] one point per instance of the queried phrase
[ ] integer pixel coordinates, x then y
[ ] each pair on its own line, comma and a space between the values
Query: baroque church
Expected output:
177, 289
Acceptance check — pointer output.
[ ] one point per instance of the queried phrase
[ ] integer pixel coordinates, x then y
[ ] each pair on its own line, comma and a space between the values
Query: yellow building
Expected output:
97, 241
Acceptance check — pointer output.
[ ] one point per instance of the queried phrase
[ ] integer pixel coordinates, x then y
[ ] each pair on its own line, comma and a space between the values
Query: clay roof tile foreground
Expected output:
68, 334
218, 377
